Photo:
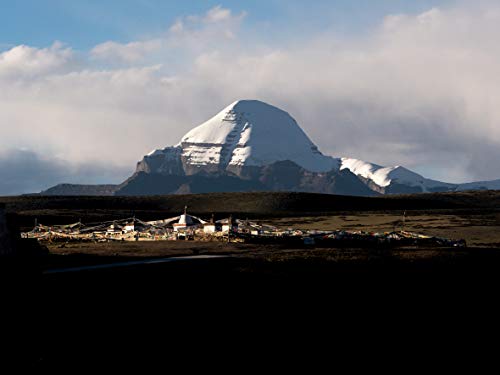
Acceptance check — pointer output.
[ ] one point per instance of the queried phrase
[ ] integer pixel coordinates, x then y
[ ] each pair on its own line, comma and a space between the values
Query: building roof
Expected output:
186, 219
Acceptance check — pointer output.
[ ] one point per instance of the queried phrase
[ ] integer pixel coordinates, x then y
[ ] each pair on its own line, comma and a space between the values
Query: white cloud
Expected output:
177, 27
209, 31
217, 14
129, 53
421, 91
184, 40
28, 61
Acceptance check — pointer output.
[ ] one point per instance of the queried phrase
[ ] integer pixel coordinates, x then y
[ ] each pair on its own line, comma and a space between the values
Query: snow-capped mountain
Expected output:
393, 179
250, 135
247, 133
252, 146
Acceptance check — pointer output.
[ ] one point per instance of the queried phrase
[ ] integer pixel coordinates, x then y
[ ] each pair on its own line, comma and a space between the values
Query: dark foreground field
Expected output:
280, 297
209, 312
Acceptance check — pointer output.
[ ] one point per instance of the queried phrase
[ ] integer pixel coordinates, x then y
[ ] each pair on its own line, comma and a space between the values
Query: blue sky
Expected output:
85, 23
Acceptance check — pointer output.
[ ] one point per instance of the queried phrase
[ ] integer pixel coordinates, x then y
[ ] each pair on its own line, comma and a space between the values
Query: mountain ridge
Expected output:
253, 146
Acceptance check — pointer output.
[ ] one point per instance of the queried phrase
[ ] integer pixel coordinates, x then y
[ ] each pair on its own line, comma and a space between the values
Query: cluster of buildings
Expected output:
190, 227
184, 226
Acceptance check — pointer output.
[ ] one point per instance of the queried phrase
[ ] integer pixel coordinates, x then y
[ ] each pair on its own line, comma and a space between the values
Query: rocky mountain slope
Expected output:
76, 189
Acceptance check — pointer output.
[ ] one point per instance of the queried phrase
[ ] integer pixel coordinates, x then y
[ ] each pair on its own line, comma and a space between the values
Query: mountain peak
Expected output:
249, 105
252, 113
252, 133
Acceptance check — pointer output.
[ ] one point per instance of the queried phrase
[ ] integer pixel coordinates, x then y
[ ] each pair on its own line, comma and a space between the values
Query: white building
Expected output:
129, 227
185, 221
228, 224
209, 228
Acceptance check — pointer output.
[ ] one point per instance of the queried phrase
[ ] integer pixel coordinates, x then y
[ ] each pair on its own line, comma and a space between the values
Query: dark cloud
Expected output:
24, 171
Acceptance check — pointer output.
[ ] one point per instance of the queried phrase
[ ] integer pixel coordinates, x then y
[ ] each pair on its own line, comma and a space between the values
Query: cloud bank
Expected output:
421, 90
23, 171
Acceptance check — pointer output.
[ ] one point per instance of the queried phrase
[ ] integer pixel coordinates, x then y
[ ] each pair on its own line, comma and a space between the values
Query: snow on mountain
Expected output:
249, 133
374, 172
384, 176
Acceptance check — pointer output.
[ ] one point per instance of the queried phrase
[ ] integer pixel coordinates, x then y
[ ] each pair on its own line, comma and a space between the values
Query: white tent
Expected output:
181, 222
